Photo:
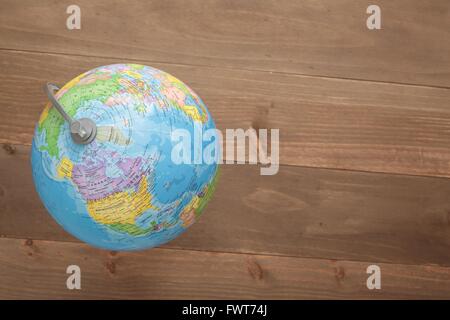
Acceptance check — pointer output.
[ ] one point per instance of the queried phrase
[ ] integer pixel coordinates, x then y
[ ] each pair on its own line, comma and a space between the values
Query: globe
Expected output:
124, 190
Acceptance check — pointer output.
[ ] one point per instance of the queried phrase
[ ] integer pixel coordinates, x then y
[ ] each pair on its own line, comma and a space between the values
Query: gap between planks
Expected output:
286, 73
243, 253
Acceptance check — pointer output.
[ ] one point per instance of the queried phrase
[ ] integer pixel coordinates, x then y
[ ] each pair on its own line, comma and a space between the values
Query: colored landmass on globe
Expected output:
102, 86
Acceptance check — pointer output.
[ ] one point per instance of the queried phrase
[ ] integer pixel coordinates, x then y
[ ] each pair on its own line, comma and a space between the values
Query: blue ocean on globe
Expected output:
124, 191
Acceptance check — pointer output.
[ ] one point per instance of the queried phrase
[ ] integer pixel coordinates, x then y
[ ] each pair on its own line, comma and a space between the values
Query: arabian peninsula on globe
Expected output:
123, 191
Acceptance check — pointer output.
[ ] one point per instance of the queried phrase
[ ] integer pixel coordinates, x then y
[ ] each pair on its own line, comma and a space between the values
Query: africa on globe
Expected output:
121, 190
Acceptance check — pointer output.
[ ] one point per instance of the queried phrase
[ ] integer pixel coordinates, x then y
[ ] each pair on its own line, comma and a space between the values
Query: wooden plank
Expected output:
36, 269
314, 37
327, 123
298, 212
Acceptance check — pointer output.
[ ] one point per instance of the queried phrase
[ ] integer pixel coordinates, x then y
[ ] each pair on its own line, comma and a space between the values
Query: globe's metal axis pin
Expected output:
83, 130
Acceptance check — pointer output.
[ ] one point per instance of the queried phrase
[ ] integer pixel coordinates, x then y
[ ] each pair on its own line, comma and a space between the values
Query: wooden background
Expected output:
364, 120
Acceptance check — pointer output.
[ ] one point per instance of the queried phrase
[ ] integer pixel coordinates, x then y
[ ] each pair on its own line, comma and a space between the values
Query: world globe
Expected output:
123, 190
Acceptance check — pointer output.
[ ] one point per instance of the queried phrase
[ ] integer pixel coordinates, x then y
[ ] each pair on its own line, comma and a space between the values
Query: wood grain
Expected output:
298, 212
342, 96
36, 269
314, 37
327, 123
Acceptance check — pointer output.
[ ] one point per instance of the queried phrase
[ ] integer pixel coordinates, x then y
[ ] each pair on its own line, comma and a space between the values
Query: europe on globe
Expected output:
123, 191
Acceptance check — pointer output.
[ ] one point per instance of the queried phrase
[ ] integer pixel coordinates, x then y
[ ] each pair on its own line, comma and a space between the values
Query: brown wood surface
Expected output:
364, 125
314, 37
37, 269
330, 123
301, 212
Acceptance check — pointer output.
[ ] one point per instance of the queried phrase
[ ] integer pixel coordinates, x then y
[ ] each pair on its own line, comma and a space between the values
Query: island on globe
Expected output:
123, 191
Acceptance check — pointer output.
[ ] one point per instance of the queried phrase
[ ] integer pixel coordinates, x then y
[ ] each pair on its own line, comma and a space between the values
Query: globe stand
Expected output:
84, 130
